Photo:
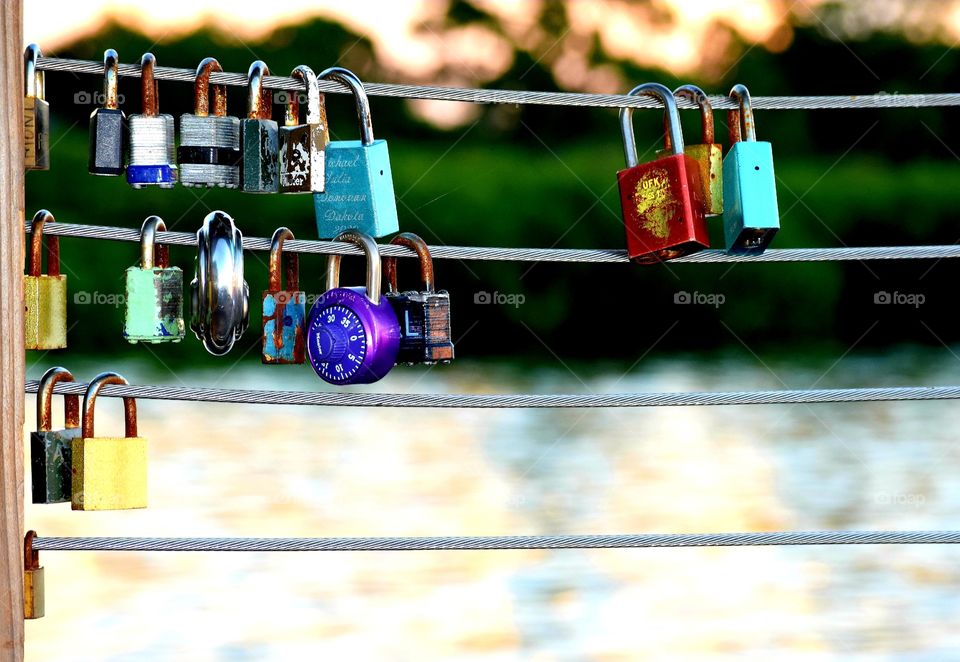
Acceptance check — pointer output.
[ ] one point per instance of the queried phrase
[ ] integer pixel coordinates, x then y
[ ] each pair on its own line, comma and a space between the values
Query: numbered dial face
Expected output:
339, 343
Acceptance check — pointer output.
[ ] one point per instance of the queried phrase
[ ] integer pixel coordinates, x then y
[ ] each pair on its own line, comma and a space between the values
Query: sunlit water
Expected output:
229, 470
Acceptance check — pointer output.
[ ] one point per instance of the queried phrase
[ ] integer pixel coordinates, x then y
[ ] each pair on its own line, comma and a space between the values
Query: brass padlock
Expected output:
109, 473
50, 449
33, 587
45, 295
707, 153
36, 113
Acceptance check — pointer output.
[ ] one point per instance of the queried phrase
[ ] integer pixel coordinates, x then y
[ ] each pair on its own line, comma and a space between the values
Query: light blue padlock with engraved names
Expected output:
358, 194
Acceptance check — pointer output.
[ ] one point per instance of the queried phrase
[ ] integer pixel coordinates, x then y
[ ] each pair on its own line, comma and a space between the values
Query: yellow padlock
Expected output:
109, 473
45, 295
33, 588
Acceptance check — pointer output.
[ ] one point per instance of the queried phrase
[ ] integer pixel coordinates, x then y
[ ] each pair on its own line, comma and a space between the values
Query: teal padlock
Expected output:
358, 194
751, 217
154, 293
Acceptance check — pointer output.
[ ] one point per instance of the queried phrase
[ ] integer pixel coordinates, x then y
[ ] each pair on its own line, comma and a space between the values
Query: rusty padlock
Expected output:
284, 310
50, 449
33, 585
45, 295
154, 303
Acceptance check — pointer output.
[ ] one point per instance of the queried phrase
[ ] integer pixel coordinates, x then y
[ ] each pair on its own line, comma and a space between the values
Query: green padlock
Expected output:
50, 449
154, 297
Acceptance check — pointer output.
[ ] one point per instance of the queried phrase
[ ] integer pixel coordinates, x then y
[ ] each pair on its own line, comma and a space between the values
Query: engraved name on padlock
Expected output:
108, 131
50, 450
154, 292
209, 152
260, 171
152, 155
284, 309
45, 295
36, 113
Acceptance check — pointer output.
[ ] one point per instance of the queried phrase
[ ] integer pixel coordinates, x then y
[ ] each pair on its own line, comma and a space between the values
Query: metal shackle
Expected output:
201, 90
71, 401
315, 114
90, 398
110, 79
258, 99
291, 262
699, 97
418, 245
219, 295
34, 80
673, 117
740, 120
152, 255
31, 556
369, 246
348, 78
36, 245
149, 91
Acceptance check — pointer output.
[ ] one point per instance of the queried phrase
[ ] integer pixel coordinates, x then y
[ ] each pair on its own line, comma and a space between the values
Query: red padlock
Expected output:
663, 206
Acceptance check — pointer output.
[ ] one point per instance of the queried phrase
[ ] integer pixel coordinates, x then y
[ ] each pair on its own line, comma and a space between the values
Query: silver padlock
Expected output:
209, 152
36, 114
152, 159
302, 146
219, 296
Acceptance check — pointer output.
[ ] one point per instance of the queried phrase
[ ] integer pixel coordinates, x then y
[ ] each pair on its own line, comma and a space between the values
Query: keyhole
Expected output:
756, 167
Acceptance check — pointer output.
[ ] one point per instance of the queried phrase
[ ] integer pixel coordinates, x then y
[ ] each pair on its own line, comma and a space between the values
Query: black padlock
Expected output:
107, 124
424, 315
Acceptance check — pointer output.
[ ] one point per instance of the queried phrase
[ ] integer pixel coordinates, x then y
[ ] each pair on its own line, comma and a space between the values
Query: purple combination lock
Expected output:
353, 335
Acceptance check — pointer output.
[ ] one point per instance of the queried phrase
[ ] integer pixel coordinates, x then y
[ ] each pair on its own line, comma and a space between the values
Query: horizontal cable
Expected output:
594, 255
512, 401
498, 542
518, 96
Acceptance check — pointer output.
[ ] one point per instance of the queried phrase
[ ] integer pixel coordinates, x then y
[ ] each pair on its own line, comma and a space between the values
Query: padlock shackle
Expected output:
291, 262
149, 90
110, 79
36, 246
31, 556
417, 245
675, 131
151, 254
741, 124
259, 105
71, 401
369, 246
34, 80
201, 90
699, 97
349, 79
315, 109
90, 399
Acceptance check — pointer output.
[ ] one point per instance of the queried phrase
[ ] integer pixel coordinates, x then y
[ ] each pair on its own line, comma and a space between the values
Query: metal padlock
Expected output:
50, 449
109, 473
708, 154
152, 154
353, 335
45, 295
34, 604
154, 292
751, 216
219, 296
284, 310
302, 145
209, 152
260, 171
424, 315
36, 113
359, 184
107, 125
663, 209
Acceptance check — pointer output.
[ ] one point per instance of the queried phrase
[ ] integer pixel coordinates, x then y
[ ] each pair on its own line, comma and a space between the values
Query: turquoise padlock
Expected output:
358, 193
750, 214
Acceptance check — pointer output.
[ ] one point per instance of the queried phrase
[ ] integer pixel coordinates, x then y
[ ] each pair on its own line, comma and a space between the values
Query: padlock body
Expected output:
359, 190
45, 301
109, 473
259, 142
152, 154
424, 319
663, 209
751, 216
709, 160
107, 142
34, 603
154, 305
50, 464
209, 152
284, 316
302, 150
36, 133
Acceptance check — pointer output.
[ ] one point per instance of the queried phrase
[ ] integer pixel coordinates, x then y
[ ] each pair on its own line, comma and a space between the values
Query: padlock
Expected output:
45, 295
109, 473
107, 125
152, 155
751, 216
209, 152
154, 292
424, 316
219, 296
662, 204
353, 335
36, 113
359, 184
260, 171
708, 154
302, 145
34, 605
50, 449
284, 310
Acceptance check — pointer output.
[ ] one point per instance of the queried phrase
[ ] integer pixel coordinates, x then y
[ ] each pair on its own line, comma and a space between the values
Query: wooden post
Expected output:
12, 371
